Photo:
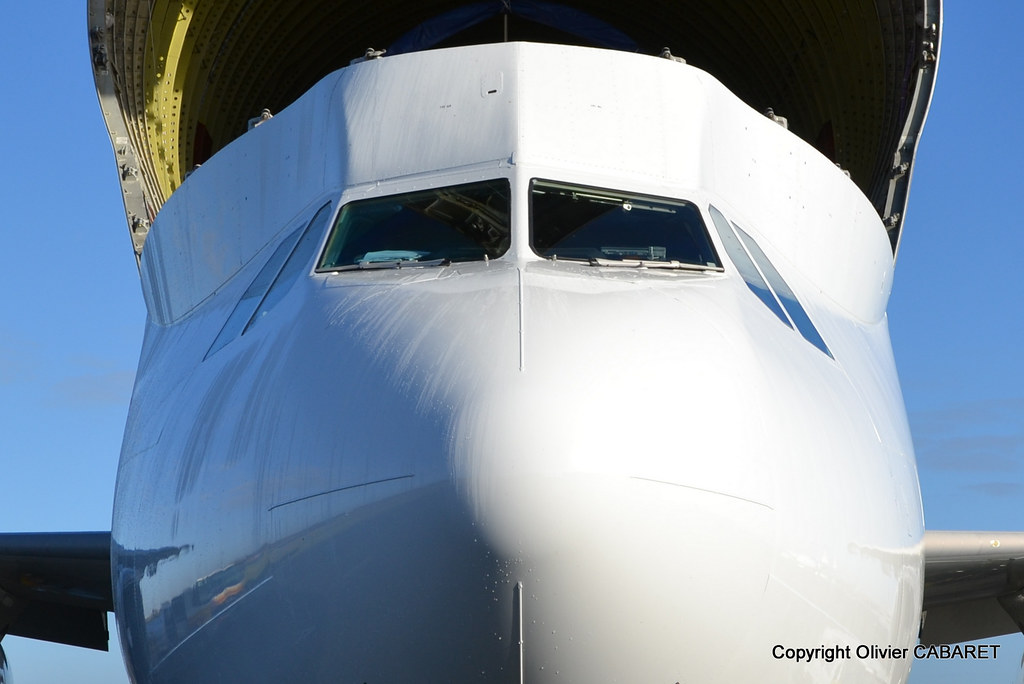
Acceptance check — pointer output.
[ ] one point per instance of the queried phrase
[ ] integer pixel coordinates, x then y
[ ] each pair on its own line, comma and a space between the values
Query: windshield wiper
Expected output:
393, 263
645, 263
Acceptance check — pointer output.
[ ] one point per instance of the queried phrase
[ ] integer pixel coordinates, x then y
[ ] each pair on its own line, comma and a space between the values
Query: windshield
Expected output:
575, 222
456, 223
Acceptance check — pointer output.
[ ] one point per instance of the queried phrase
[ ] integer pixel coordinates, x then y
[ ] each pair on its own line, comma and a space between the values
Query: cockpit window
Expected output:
429, 227
601, 226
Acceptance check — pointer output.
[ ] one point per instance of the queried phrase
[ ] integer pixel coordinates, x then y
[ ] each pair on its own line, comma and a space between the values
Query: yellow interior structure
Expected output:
179, 79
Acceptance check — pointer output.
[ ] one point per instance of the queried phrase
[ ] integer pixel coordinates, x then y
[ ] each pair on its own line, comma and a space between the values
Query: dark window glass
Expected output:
745, 266
784, 292
270, 275
459, 223
573, 222
296, 264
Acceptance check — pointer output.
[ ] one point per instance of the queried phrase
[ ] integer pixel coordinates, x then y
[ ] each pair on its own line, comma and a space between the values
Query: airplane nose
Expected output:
605, 470
621, 576
614, 378
598, 431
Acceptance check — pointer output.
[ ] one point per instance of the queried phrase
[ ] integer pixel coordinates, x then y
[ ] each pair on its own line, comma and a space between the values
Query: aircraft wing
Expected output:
56, 587
973, 585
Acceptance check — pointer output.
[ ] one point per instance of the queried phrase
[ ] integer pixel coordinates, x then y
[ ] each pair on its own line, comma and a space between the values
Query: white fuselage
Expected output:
518, 469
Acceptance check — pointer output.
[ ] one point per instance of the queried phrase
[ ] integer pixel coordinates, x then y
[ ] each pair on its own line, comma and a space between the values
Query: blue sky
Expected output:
71, 314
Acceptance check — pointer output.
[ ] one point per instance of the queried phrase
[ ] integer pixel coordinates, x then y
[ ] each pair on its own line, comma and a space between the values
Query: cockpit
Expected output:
473, 222
459, 223
599, 226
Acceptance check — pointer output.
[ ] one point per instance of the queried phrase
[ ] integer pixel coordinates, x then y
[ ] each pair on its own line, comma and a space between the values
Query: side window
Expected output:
755, 267
751, 276
297, 263
254, 299
784, 293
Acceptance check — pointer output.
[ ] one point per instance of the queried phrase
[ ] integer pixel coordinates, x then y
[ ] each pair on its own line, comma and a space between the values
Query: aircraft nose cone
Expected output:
604, 469
593, 427
622, 575
611, 378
